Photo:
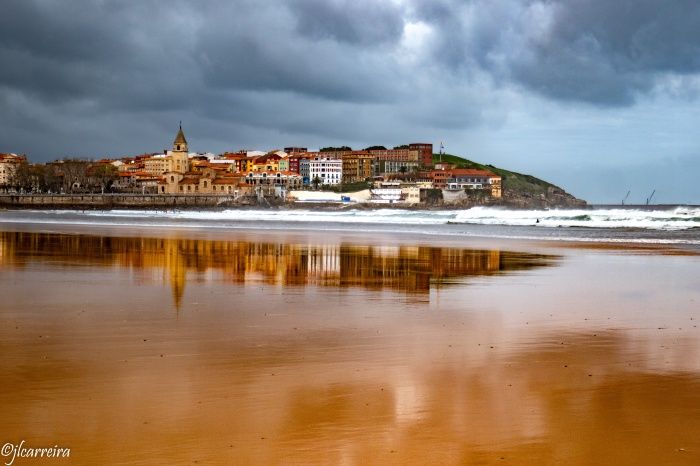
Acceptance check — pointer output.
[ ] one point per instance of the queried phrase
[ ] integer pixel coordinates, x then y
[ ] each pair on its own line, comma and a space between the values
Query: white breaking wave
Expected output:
680, 218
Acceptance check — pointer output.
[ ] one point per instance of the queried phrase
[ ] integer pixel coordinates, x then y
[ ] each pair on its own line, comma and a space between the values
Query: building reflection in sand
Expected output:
406, 269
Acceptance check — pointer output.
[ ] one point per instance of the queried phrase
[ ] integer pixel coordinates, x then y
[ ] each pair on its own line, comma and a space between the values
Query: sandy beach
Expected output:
184, 346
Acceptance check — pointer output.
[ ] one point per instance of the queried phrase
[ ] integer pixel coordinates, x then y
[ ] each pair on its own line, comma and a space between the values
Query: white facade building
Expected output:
329, 171
386, 193
288, 179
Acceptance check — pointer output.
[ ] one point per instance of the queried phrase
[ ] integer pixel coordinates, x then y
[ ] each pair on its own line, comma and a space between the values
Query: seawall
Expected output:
110, 201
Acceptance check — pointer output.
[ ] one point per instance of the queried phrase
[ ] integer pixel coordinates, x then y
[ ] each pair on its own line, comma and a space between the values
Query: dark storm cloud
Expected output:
262, 61
364, 22
609, 51
87, 50
94, 77
636, 35
595, 51
150, 55
273, 48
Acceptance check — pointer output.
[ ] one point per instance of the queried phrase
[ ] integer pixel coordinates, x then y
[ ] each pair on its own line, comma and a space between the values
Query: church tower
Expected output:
180, 143
179, 155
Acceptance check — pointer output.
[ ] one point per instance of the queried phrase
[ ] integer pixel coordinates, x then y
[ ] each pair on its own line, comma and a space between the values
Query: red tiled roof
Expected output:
471, 172
232, 180
462, 172
266, 157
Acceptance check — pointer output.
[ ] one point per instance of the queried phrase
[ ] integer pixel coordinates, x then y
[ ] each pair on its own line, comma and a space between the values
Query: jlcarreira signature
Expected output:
13, 451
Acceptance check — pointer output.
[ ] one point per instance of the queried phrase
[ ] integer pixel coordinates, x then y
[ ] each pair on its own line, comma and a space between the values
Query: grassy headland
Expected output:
512, 181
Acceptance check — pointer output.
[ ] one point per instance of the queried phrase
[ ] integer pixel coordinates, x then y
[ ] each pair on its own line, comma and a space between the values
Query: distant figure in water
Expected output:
538, 221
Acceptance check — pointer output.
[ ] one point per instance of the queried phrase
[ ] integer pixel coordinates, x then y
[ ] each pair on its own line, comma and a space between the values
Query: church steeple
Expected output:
180, 143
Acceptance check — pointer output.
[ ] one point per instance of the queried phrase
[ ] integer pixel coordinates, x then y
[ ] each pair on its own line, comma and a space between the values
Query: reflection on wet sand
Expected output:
410, 269
310, 366
342, 401
538, 406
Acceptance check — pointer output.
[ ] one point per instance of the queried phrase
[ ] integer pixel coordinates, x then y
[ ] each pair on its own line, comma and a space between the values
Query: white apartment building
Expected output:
329, 171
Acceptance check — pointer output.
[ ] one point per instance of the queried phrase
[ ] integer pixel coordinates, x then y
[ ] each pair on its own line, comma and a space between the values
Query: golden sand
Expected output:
176, 348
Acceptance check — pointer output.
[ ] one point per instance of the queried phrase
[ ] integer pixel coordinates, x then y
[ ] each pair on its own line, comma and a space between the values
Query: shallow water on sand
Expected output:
178, 348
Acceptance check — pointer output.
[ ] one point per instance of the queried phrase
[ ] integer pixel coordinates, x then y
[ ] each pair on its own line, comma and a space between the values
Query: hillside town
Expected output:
405, 174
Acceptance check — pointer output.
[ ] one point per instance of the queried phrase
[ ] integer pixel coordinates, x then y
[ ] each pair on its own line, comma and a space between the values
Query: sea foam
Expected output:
680, 218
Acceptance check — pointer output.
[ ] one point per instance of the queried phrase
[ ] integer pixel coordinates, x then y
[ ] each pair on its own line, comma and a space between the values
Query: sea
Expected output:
676, 224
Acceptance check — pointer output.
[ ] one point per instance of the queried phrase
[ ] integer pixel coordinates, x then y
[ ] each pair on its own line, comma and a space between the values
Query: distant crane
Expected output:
442, 150
628, 195
651, 196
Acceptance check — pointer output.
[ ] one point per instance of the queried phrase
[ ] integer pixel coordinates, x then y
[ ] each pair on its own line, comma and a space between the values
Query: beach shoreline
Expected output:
307, 234
263, 346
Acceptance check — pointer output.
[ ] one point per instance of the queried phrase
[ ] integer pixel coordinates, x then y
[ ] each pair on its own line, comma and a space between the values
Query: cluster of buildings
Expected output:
398, 174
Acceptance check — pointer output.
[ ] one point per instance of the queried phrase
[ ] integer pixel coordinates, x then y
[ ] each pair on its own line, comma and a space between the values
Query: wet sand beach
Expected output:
167, 346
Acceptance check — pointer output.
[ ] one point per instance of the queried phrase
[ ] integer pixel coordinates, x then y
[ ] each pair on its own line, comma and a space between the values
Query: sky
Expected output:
597, 96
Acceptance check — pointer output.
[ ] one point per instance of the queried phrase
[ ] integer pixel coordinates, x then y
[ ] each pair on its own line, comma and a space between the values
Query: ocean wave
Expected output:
594, 225
680, 218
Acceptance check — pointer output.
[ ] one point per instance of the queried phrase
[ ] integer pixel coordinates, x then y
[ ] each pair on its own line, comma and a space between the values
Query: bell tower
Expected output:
180, 143
179, 160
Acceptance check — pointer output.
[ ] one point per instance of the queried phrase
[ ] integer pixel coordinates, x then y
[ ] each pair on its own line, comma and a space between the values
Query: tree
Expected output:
403, 146
52, 181
316, 181
74, 174
375, 148
103, 175
334, 149
403, 169
20, 178
29, 178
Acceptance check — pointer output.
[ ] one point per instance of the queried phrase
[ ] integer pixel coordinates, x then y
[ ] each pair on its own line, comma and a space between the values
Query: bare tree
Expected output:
75, 174
103, 176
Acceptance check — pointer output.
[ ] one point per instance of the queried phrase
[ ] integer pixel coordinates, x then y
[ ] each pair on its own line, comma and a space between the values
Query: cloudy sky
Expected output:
597, 96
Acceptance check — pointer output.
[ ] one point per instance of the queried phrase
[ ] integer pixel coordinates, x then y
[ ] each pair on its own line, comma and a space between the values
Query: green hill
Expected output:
512, 181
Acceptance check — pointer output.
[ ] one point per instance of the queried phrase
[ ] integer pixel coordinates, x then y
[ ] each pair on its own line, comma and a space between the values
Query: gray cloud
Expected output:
594, 51
608, 52
103, 77
364, 22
